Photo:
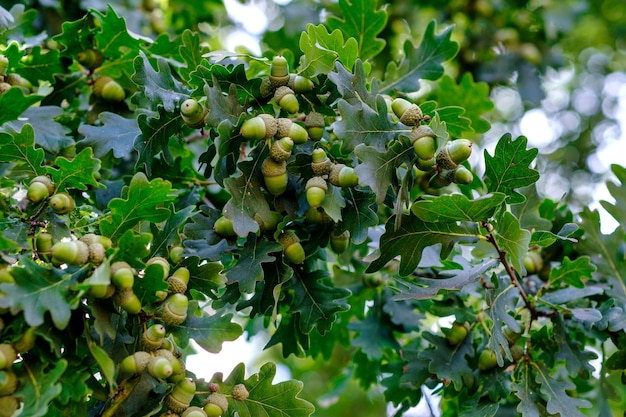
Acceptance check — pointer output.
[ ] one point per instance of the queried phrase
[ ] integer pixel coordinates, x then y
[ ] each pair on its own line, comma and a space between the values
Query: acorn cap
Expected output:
240, 392
318, 182
266, 88
218, 399
444, 162
273, 168
283, 127
333, 175
96, 253
270, 124
412, 116
281, 149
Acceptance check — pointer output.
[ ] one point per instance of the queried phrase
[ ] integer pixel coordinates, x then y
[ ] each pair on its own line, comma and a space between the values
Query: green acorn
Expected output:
4, 87
316, 189
463, 175
285, 97
339, 242
177, 282
409, 113
62, 203
174, 309
292, 248
134, 364
453, 153
162, 262
194, 411
423, 140
275, 176
487, 360
533, 262
316, 216
90, 238
183, 392
152, 338
8, 405
43, 244
176, 253
286, 127
343, 176
281, 149
218, 399
212, 410
223, 226
300, 84
279, 71
90, 58
8, 355
269, 223
108, 89
458, 332
97, 252
37, 192
266, 88
315, 124
73, 252
193, 113
320, 164
9, 386
426, 165
4, 64
17, 80
441, 178
159, 367
263, 126
123, 278
127, 300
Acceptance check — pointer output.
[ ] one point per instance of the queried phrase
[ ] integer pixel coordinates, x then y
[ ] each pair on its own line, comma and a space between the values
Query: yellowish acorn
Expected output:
8, 355
126, 299
423, 140
218, 399
320, 163
73, 252
286, 127
159, 367
62, 203
194, 411
343, 176
223, 226
292, 248
263, 126
285, 97
300, 84
409, 113
275, 176
463, 175
134, 364
152, 338
316, 189
279, 71
174, 309
281, 149
315, 124
9, 386
183, 392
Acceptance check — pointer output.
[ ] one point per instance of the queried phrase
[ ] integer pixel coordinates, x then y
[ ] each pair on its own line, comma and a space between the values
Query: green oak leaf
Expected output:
49, 134
362, 208
379, 169
225, 75
425, 288
75, 36
248, 270
317, 300
157, 86
205, 277
354, 88
446, 361
502, 300
246, 202
40, 385
141, 201
618, 192
572, 352
572, 273
113, 39
334, 202
39, 289
133, 247
191, 52
423, 62
529, 212
77, 173
167, 234
14, 102
155, 136
363, 22
19, 147
114, 134
208, 330
201, 239
374, 334
457, 207
508, 168
222, 106
320, 49
288, 334
265, 398
471, 96
525, 388
545, 238
555, 392
104, 361
457, 124
362, 124
413, 236
147, 287
39, 64
512, 239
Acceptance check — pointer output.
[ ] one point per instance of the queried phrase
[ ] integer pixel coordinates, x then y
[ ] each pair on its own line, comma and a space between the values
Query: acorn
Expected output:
320, 164
463, 175
487, 360
266, 88
193, 113
161, 261
285, 97
177, 365
343, 176
315, 124
263, 126
17, 80
4, 64
176, 253
453, 153
26, 341
96, 253
177, 282
8, 355
46, 181
108, 89
218, 399
240, 392
339, 242
90, 238
409, 113
9, 386
533, 262
286, 127
90, 58
194, 411
458, 332
134, 364
292, 248
159, 367
37, 192
426, 165
8, 405
275, 176
73, 252
174, 309
43, 244
316, 189
183, 392
269, 223
123, 278
442, 178
152, 338
4, 87
300, 84
279, 71
316, 216
281, 149
423, 140
62, 203
127, 300
223, 226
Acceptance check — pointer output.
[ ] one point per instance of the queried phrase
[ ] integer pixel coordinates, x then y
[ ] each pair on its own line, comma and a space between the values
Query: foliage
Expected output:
174, 221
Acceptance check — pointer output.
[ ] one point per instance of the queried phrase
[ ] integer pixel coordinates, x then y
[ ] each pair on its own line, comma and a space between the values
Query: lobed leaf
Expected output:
512, 239
39, 386
14, 102
155, 136
77, 173
556, 394
320, 49
572, 273
49, 134
19, 148
618, 192
457, 207
248, 270
114, 134
448, 362
246, 201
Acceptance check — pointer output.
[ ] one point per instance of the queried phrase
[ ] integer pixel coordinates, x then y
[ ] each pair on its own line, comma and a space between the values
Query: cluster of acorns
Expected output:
103, 86
42, 188
9, 380
442, 167
13, 80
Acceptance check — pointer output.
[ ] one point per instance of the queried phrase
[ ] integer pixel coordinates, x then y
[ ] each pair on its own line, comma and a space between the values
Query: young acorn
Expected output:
320, 164
343, 176
4, 64
193, 113
300, 84
9, 386
275, 176
218, 399
134, 364
281, 149
127, 300
292, 248
286, 98
316, 189
286, 127
43, 244
174, 309
73, 252
223, 226
178, 281
160, 262
62, 203
160, 367
194, 411
339, 242
279, 71
263, 126
90, 58
152, 338
183, 392
409, 113
108, 89
458, 332
8, 355
315, 124
462, 175
423, 140
40, 188
453, 153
